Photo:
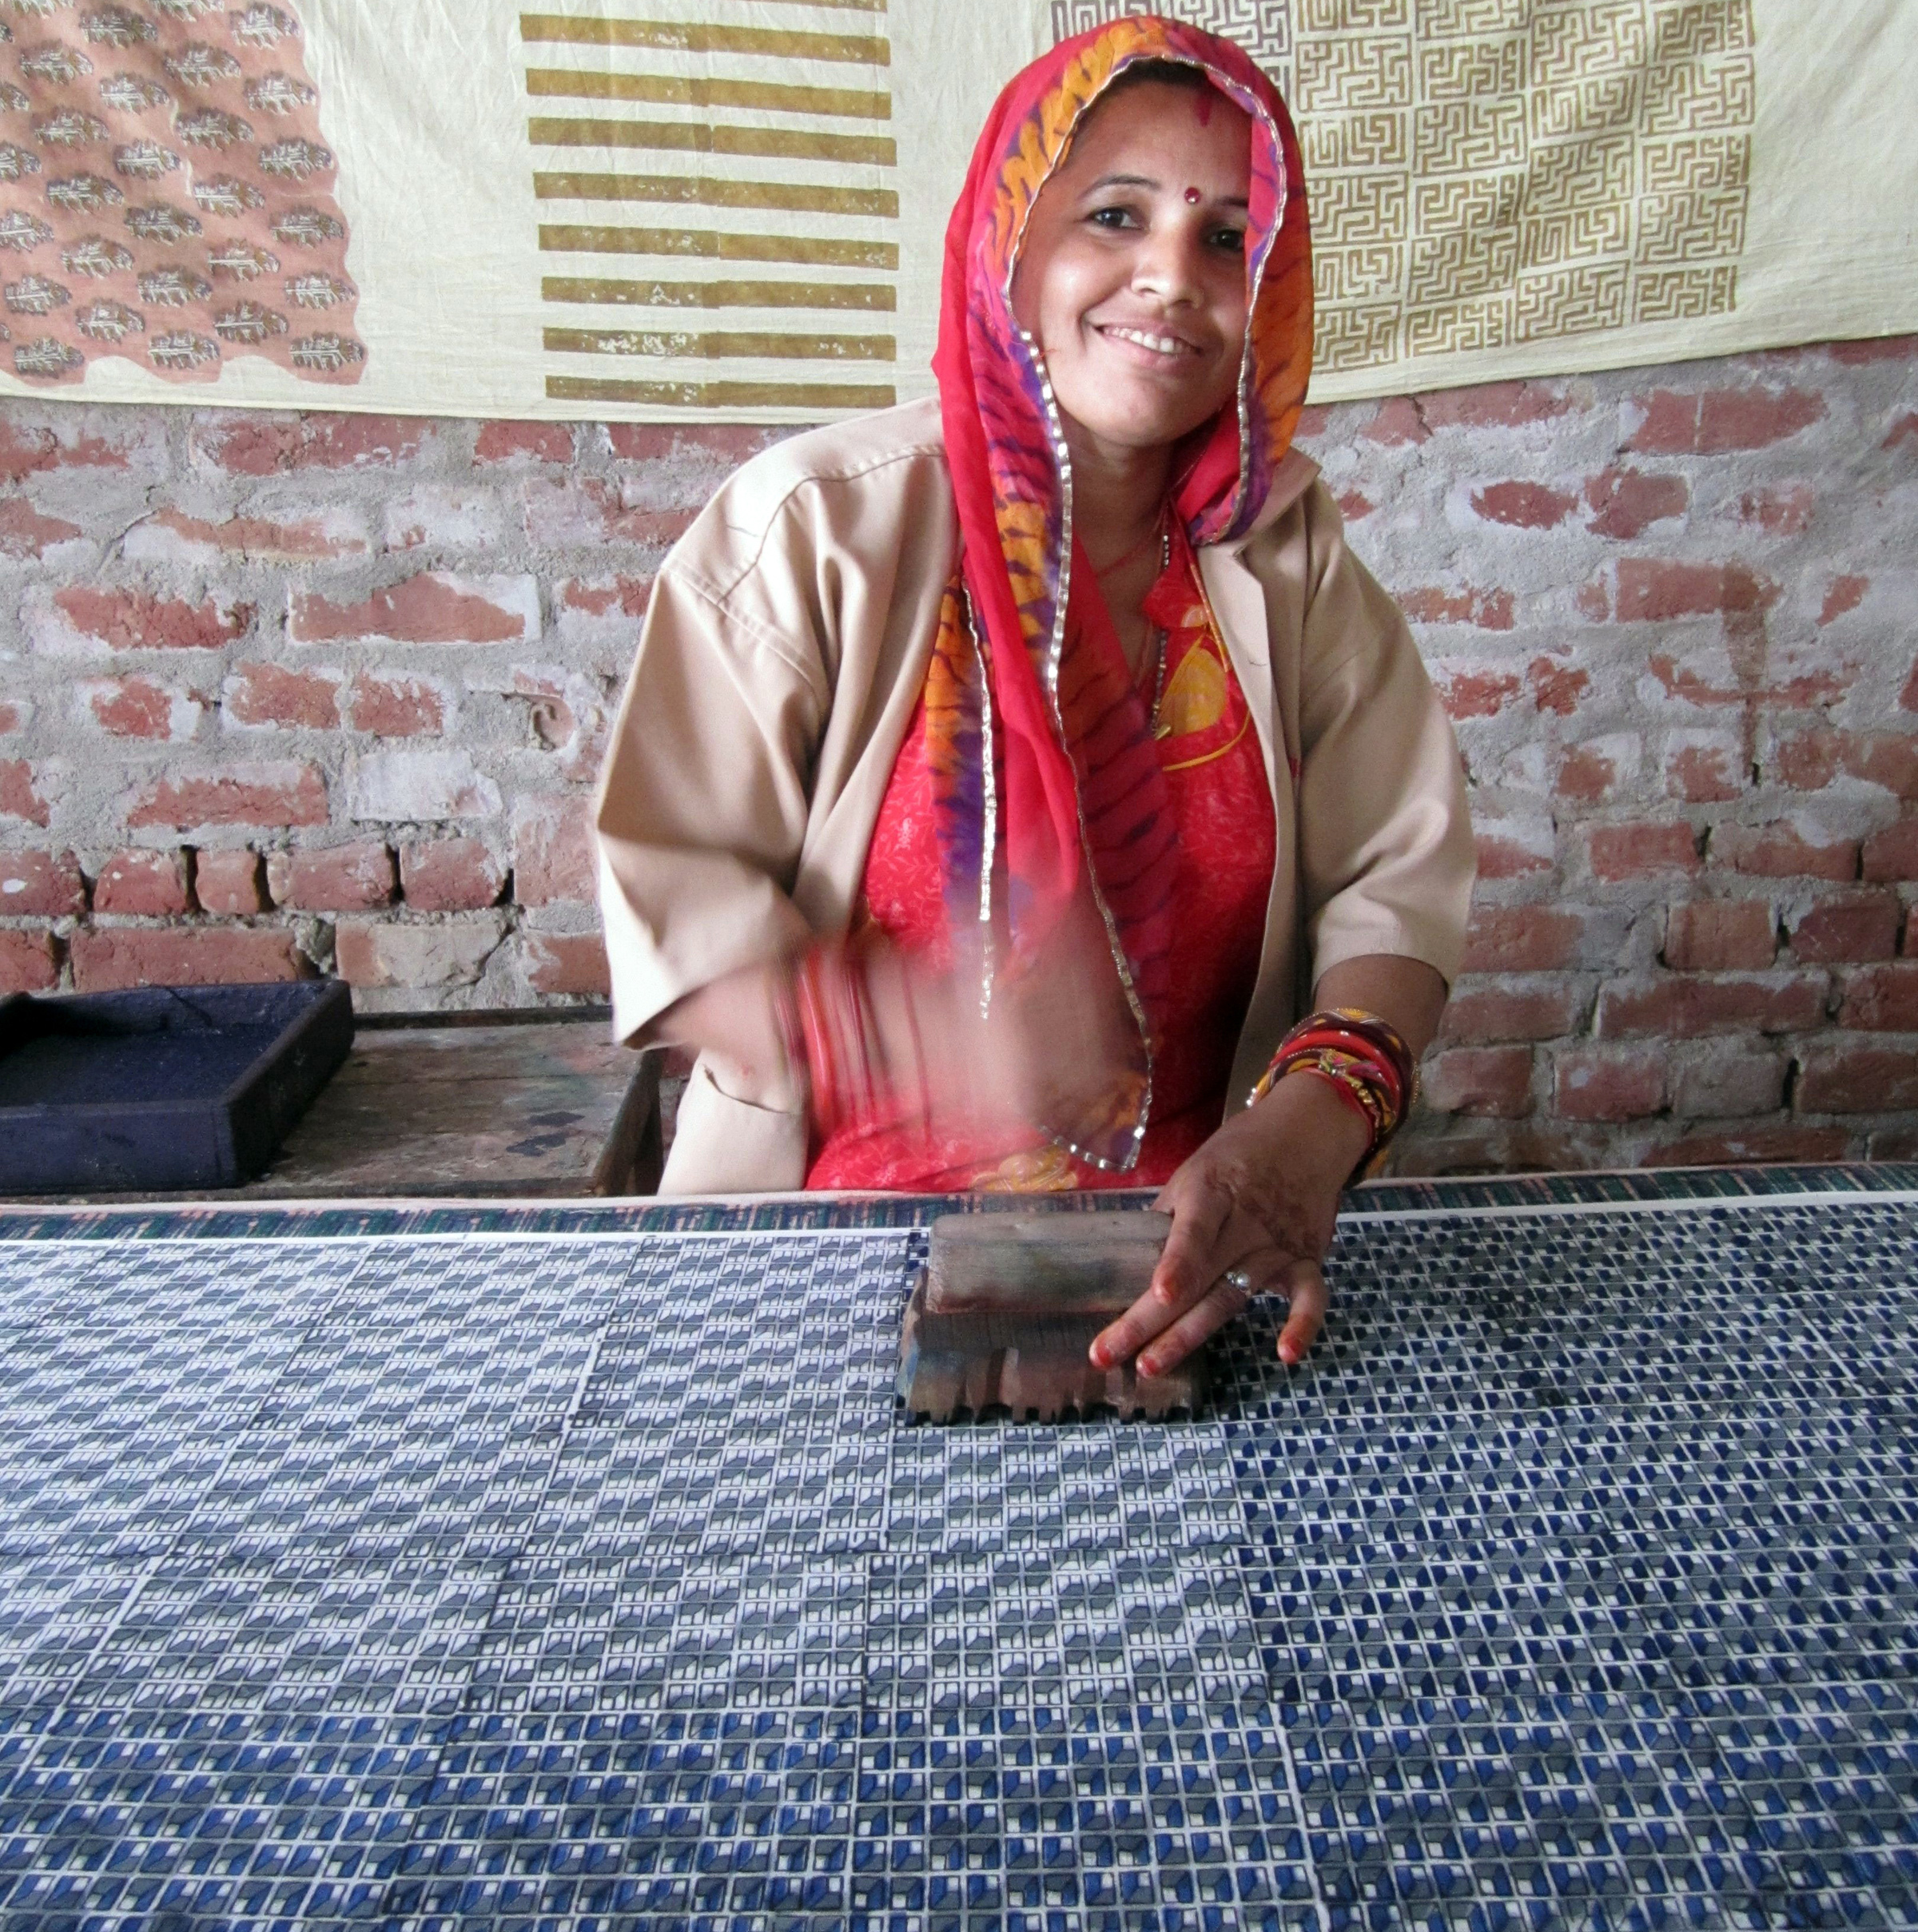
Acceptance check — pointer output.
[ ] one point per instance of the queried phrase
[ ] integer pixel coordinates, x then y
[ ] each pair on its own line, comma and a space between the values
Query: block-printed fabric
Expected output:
542, 1575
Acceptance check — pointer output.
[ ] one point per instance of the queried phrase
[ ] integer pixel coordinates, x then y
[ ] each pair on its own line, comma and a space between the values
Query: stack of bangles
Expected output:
1364, 1059
829, 1029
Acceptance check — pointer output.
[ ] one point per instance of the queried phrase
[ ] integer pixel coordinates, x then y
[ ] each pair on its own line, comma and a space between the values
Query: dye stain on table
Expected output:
572, 1568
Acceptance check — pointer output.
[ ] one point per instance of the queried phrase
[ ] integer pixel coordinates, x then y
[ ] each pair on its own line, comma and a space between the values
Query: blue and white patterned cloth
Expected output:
570, 1568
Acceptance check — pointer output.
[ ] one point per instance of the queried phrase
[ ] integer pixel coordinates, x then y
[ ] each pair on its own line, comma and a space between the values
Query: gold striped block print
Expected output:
781, 180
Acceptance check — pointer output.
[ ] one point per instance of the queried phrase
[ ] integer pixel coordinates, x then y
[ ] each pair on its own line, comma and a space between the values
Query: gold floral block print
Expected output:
165, 194
1486, 173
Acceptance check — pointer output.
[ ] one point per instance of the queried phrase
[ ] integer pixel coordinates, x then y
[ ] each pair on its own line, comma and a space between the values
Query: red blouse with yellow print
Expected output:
1222, 806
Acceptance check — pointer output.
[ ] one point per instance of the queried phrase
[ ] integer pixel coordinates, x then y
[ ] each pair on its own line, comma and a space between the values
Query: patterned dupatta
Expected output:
1026, 653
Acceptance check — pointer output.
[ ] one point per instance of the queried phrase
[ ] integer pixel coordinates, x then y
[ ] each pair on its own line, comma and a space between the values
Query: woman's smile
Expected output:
1154, 348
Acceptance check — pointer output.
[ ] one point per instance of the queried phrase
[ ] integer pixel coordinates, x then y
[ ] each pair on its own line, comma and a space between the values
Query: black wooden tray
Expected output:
162, 1087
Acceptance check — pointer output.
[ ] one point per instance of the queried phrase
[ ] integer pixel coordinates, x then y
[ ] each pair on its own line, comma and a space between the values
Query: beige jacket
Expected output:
779, 667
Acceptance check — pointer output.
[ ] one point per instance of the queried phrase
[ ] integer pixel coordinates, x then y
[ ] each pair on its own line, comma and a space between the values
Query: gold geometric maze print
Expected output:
1484, 173
719, 213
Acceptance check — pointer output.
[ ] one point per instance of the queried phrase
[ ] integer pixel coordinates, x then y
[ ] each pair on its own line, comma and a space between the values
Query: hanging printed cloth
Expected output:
1026, 654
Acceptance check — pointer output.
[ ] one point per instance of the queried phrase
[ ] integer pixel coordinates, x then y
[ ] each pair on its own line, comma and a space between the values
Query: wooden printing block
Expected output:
1008, 1304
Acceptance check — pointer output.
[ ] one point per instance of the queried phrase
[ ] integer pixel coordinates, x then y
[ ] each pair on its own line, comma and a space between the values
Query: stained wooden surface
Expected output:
549, 1109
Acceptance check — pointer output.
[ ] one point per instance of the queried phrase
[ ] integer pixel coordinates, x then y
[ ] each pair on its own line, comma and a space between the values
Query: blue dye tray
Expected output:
161, 1088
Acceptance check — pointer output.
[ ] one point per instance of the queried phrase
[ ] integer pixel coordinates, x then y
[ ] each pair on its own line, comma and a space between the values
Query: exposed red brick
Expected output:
559, 963
1521, 939
585, 510
1897, 1144
135, 620
1489, 610
1556, 687
144, 884
1752, 1147
24, 532
1861, 926
449, 952
1802, 693
260, 445
41, 885
1477, 1015
271, 694
230, 883
1681, 1005
716, 448
137, 708
450, 875
1624, 503
1397, 423
1892, 854
1593, 601
1477, 693
1905, 430
193, 956
1721, 935
19, 792
1882, 999
277, 795
1849, 1077
1508, 405
1874, 349
12, 718
554, 855
394, 707
1809, 760
535, 442
1492, 1083
332, 878
1314, 419
1643, 851
432, 608
1729, 1082
1785, 510
30, 962
1585, 774
599, 596
1658, 590
1524, 506
1609, 1084
1355, 505
1781, 850
1718, 421
25, 452
1513, 853
170, 535
1703, 773
1908, 698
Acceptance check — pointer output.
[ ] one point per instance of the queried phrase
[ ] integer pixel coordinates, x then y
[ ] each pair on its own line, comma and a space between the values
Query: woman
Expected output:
1064, 698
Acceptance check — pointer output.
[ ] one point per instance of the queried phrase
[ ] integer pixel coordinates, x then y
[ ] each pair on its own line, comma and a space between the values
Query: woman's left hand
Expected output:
1252, 1213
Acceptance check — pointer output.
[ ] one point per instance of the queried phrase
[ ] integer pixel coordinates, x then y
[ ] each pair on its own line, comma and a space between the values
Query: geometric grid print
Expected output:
590, 1580
1488, 172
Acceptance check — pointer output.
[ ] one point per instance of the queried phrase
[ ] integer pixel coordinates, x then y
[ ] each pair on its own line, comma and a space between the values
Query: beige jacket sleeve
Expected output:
1385, 855
778, 664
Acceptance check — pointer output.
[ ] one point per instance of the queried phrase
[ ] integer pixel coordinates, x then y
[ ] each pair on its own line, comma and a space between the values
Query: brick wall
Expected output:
281, 694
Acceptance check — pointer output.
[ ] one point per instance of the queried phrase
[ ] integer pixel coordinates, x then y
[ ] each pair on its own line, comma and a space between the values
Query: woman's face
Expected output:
1132, 274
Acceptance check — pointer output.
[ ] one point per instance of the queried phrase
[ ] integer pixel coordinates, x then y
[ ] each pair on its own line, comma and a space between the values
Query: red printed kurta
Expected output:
1222, 809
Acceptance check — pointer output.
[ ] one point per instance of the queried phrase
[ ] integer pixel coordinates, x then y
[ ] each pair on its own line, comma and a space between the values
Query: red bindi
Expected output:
1193, 198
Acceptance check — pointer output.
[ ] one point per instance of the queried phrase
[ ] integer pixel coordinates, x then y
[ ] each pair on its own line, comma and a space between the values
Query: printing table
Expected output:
567, 1565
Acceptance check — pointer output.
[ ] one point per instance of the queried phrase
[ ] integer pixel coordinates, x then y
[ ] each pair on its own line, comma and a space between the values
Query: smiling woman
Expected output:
995, 774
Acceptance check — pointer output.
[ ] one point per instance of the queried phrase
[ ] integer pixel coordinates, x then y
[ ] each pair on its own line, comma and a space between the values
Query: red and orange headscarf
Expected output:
1027, 655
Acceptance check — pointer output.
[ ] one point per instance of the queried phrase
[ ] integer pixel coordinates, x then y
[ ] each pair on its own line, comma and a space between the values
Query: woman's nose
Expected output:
1169, 263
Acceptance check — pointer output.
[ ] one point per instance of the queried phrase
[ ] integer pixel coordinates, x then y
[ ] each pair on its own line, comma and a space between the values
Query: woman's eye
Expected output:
1229, 240
1111, 217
